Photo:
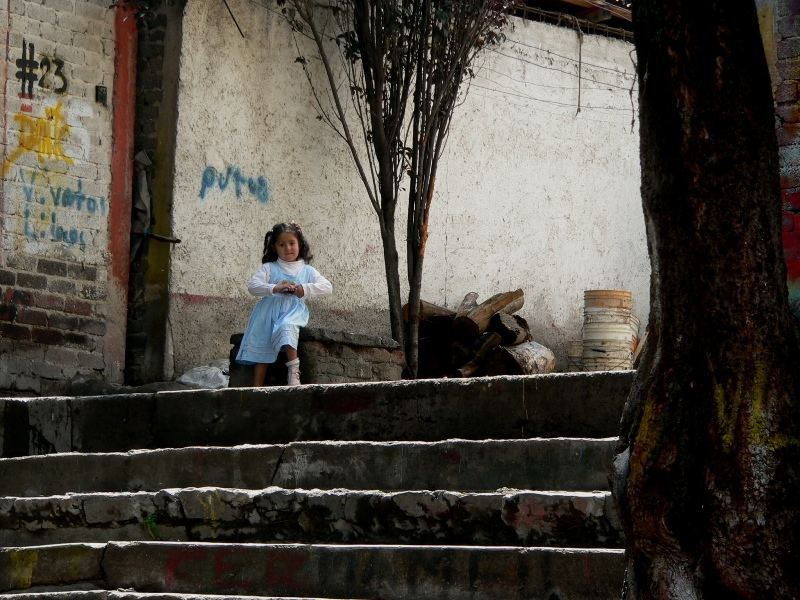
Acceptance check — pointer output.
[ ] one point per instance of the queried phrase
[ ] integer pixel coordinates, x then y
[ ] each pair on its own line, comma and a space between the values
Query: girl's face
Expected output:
287, 246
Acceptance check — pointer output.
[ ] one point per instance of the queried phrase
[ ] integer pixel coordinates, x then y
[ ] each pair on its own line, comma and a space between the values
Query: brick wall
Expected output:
787, 100
156, 105
55, 201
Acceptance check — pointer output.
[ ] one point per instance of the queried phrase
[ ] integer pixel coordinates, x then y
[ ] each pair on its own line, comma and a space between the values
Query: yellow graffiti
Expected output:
23, 564
42, 135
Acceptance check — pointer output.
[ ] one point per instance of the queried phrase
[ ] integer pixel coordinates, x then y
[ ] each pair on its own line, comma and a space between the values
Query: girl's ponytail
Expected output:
267, 242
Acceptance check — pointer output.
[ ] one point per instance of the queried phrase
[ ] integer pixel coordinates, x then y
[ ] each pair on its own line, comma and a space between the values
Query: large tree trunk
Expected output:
708, 475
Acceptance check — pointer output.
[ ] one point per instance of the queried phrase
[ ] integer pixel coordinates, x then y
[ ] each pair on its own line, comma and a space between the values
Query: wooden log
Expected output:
513, 329
469, 303
475, 322
525, 359
488, 341
514, 305
430, 312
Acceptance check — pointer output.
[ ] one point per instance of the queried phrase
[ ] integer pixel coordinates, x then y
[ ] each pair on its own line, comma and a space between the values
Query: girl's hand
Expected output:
298, 291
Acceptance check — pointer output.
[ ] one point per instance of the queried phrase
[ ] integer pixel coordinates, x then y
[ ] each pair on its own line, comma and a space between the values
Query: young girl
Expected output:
283, 283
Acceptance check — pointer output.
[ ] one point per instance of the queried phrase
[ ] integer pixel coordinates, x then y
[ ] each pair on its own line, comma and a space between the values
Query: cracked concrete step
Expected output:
509, 518
466, 465
121, 595
574, 405
388, 572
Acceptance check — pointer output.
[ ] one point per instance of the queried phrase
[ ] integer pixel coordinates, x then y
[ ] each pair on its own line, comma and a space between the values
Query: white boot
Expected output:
293, 375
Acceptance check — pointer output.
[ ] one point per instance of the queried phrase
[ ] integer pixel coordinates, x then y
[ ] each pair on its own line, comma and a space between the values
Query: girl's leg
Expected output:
259, 374
292, 366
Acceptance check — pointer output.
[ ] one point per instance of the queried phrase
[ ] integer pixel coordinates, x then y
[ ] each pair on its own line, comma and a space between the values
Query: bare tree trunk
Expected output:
391, 264
707, 478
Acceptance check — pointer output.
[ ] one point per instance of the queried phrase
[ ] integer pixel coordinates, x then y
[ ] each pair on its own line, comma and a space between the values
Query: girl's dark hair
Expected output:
271, 255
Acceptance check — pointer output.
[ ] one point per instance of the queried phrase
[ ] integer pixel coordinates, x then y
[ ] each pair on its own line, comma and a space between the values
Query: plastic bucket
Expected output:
605, 355
607, 299
612, 350
575, 355
604, 364
608, 332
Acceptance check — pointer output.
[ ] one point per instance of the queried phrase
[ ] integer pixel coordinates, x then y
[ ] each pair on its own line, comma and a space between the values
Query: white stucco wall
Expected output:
530, 193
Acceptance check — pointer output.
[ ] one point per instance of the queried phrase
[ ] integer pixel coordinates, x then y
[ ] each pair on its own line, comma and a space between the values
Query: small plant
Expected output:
151, 526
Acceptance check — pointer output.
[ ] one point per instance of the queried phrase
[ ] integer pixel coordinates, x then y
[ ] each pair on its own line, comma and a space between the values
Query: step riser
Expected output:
557, 464
348, 571
574, 405
22, 569
435, 518
388, 573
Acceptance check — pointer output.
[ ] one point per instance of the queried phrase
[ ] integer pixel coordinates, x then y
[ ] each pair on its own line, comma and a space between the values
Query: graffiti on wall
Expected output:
235, 182
48, 73
57, 211
43, 135
48, 144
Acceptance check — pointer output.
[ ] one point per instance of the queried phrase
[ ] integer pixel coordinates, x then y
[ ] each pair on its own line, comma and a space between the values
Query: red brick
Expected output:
29, 280
92, 326
32, 316
14, 332
23, 297
47, 336
8, 312
7, 277
80, 340
52, 267
79, 307
82, 272
59, 321
49, 301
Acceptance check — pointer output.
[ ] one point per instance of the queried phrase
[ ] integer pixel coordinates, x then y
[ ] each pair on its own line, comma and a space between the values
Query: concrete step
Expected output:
388, 572
464, 465
509, 518
575, 405
119, 595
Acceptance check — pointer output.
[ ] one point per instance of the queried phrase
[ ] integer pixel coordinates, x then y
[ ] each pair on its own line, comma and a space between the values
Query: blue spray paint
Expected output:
256, 187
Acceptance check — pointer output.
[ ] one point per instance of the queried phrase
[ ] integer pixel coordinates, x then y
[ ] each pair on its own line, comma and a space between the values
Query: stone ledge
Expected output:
318, 334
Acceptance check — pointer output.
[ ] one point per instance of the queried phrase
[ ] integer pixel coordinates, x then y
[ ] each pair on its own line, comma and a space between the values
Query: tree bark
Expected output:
707, 476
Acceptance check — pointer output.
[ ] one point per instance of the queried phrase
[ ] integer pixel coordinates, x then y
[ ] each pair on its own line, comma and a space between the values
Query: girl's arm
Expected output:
258, 285
318, 287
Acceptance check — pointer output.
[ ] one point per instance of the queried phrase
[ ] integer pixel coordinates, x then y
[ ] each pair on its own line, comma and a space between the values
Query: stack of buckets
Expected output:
610, 332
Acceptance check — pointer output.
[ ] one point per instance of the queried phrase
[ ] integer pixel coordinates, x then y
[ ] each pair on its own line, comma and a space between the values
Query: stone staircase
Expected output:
489, 488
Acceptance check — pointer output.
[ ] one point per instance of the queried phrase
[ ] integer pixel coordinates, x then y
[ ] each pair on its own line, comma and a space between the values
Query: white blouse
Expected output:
259, 283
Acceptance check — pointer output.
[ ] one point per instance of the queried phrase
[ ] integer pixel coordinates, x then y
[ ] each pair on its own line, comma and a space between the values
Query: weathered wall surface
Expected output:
531, 193
55, 191
780, 29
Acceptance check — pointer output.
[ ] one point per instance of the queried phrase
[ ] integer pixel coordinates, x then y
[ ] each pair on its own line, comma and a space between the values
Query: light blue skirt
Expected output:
275, 323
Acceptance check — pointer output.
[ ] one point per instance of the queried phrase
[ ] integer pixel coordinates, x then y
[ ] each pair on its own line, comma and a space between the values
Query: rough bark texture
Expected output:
707, 479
